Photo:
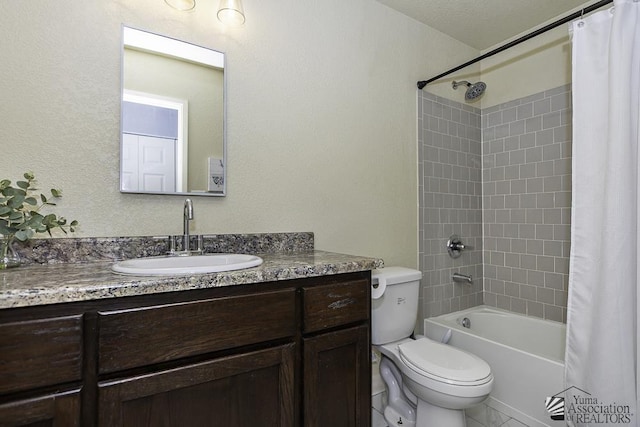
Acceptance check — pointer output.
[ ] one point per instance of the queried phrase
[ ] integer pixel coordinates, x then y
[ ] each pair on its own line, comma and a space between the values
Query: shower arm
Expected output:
455, 84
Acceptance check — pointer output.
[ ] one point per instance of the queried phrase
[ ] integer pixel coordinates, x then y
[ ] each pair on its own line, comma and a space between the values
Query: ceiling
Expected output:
485, 23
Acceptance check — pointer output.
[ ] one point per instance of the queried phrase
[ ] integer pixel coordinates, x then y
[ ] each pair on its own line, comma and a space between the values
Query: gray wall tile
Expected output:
451, 184
542, 215
501, 179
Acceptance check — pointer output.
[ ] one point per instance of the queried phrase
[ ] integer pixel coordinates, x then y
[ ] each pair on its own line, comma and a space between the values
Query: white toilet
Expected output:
429, 384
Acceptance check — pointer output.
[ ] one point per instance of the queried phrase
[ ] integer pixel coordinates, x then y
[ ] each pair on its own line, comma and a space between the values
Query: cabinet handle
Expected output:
342, 303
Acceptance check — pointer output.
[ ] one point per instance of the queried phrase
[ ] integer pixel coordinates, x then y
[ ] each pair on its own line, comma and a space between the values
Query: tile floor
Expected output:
479, 416
377, 420
485, 416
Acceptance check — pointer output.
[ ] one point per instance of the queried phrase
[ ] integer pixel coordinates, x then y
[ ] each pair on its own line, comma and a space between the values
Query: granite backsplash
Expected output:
93, 249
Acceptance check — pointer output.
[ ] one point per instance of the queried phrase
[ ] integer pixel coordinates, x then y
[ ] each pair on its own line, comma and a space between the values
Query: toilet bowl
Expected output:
428, 383
455, 377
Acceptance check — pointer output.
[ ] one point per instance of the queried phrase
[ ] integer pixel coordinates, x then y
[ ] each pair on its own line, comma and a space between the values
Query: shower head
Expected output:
473, 90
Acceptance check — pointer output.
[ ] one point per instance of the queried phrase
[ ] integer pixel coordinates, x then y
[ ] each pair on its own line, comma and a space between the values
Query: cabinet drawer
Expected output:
38, 353
335, 305
147, 335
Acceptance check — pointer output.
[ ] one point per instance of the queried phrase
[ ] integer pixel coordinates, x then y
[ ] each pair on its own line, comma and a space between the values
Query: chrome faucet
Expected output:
188, 216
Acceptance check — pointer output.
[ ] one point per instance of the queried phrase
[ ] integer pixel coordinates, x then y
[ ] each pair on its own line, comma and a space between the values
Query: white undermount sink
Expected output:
179, 265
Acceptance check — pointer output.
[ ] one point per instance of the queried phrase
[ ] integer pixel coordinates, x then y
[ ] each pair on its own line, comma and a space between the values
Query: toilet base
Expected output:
395, 419
430, 415
398, 411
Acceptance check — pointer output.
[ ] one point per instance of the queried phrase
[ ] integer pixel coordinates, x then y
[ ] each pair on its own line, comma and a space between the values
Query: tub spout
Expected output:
462, 278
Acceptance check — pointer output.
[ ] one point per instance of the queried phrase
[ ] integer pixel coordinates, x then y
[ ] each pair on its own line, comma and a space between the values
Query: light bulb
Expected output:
230, 12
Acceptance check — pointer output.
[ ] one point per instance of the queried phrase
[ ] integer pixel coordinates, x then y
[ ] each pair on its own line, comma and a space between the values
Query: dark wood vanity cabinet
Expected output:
337, 360
288, 353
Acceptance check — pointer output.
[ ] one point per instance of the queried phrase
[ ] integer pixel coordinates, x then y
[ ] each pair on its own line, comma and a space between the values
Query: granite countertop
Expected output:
32, 285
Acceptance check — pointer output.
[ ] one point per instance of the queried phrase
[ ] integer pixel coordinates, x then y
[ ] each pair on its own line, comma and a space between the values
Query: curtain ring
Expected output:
581, 21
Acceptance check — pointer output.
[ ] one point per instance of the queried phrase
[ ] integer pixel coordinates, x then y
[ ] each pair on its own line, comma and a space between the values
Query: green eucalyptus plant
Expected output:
20, 206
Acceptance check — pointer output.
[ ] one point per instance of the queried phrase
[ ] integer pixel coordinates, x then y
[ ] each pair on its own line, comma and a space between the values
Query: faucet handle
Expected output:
455, 246
172, 245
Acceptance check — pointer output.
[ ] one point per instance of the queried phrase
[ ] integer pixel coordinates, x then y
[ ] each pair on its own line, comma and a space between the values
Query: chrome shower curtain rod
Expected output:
576, 15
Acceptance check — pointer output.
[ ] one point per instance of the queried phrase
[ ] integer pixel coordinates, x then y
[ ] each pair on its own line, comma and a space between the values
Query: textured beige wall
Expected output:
321, 116
531, 67
534, 66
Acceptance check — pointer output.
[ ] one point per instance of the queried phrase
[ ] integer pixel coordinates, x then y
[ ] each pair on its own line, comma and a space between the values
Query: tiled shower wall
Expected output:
501, 179
526, 203
450, 193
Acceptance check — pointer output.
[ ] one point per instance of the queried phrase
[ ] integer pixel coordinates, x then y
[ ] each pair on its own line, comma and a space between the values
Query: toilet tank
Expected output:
393, 315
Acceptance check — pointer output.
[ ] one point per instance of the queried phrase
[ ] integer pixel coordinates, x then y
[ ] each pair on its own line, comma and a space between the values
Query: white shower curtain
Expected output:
602, 321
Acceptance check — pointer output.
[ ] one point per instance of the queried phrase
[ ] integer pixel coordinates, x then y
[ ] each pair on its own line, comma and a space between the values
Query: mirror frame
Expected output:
192, 47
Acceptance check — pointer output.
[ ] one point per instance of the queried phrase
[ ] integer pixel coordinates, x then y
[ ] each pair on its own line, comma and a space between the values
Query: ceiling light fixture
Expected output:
230, 12
182, 5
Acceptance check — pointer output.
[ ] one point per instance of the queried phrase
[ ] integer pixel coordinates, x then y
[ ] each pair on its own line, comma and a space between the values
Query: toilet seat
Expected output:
431, 386
444, 363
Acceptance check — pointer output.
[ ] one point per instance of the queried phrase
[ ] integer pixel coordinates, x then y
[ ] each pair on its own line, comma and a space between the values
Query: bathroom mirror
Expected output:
173, 138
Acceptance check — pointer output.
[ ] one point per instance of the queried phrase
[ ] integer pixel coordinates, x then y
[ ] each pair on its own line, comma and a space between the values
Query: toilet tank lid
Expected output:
395, 275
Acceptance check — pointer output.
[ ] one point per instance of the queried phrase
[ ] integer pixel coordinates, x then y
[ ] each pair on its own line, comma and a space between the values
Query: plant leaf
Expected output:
22, 235
34, 222
5, 229
15, 216
16, 201
12, 191
50, 220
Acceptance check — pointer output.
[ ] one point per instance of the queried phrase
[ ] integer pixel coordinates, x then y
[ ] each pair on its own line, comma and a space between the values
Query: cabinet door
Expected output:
250, 389
337, 379
53, 410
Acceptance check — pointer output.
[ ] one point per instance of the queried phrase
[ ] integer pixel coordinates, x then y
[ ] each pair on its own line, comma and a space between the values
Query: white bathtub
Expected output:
526, 355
